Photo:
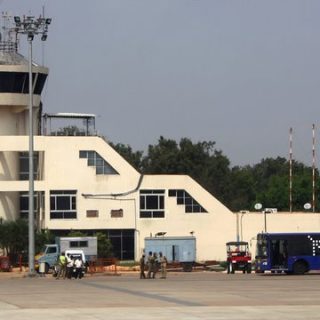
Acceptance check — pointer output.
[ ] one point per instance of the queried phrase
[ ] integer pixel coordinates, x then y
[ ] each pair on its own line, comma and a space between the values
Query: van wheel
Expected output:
46, 268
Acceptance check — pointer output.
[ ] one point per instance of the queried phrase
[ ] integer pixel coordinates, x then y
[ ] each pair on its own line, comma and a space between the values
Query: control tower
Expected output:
14, 85
14, 110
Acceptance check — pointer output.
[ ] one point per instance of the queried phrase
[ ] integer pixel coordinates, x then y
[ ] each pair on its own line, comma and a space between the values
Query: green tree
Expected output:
134, 158
162, 158
43, 237
14, 236
241, 193
76, 233
302, 189
201, 161
104, 245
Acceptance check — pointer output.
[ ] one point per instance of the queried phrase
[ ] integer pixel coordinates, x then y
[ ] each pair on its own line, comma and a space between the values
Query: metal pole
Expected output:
313, 169
290, 170
265, 221
31, 178
241, 226
237, 222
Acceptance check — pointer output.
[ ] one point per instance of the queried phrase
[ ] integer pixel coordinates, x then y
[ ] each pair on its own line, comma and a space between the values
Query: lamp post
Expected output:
31, 26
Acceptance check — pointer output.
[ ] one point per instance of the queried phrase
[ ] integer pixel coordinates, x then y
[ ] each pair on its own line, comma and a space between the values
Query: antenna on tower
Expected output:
42, 42
313, 168
290, 169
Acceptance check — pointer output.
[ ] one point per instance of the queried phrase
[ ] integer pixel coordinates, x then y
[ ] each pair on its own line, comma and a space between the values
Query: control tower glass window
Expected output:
18, 82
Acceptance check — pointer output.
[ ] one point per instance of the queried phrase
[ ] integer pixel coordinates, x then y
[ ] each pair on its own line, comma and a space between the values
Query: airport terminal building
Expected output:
82, 183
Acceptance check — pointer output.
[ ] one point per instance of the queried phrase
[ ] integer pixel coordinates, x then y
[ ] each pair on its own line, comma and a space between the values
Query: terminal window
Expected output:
95, 160
63, 204
152, 203
184, 198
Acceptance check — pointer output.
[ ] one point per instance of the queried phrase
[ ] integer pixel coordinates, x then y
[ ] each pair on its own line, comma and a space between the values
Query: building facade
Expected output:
82, 183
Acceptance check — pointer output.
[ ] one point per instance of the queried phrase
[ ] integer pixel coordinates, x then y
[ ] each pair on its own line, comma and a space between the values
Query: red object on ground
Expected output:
238, 257
5, 264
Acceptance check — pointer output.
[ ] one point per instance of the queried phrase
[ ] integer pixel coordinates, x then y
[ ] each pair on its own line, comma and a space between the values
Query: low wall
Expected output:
252, 223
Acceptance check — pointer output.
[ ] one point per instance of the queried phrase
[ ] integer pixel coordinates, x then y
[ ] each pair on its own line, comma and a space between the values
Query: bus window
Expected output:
279, 253
261, 251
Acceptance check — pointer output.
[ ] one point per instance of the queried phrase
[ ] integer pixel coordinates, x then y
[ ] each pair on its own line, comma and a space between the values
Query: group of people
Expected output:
152, 265
68, 266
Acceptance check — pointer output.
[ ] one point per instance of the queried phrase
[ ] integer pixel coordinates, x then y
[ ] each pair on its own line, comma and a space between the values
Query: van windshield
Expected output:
51, 250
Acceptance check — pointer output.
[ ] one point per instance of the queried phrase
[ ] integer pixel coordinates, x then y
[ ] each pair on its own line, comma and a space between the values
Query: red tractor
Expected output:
238, 257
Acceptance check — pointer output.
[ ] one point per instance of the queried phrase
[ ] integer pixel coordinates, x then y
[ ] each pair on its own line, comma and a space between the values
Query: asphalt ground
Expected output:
195, 295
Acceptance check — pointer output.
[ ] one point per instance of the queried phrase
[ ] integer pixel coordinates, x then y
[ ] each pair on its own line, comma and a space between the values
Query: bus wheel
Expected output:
300, 267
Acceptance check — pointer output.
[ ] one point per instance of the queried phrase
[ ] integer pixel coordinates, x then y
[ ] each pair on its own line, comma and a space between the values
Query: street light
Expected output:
31, 26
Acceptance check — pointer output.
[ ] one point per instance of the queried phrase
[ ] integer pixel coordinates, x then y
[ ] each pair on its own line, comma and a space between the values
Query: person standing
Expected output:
142, 267
70, 263
78, 264
155, 265
150, 264
62, 262
163, 266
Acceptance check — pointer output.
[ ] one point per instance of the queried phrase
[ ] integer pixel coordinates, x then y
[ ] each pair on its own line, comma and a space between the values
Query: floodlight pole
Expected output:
31, 26
31, 168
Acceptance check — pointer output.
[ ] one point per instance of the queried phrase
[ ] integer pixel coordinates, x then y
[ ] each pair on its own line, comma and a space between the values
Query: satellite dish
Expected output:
258, 206
307, 206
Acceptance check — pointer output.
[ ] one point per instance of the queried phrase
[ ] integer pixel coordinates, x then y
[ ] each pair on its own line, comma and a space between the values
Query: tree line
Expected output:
14, 240
237, 187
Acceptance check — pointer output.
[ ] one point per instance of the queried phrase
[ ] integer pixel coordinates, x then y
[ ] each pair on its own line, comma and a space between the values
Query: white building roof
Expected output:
69, 115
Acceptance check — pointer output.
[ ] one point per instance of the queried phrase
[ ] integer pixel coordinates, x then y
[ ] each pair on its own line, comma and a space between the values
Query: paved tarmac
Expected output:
190, 296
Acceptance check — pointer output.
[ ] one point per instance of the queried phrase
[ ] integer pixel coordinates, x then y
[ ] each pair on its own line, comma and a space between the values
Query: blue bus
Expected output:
292, 253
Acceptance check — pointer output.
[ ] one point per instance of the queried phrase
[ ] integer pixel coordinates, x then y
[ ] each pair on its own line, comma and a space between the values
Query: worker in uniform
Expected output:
163, 266
150, 265
78, 263
142, 267
155, 265
69, 269
62, 263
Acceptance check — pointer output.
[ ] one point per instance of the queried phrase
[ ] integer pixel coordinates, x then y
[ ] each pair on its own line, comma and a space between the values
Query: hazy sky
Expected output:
239, 73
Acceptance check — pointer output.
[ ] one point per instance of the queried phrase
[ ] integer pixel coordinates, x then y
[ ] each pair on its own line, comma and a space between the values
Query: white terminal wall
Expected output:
64, 170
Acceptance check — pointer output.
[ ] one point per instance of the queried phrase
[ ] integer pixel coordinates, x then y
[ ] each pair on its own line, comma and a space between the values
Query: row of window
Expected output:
95, 160
18, 82
152, 204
